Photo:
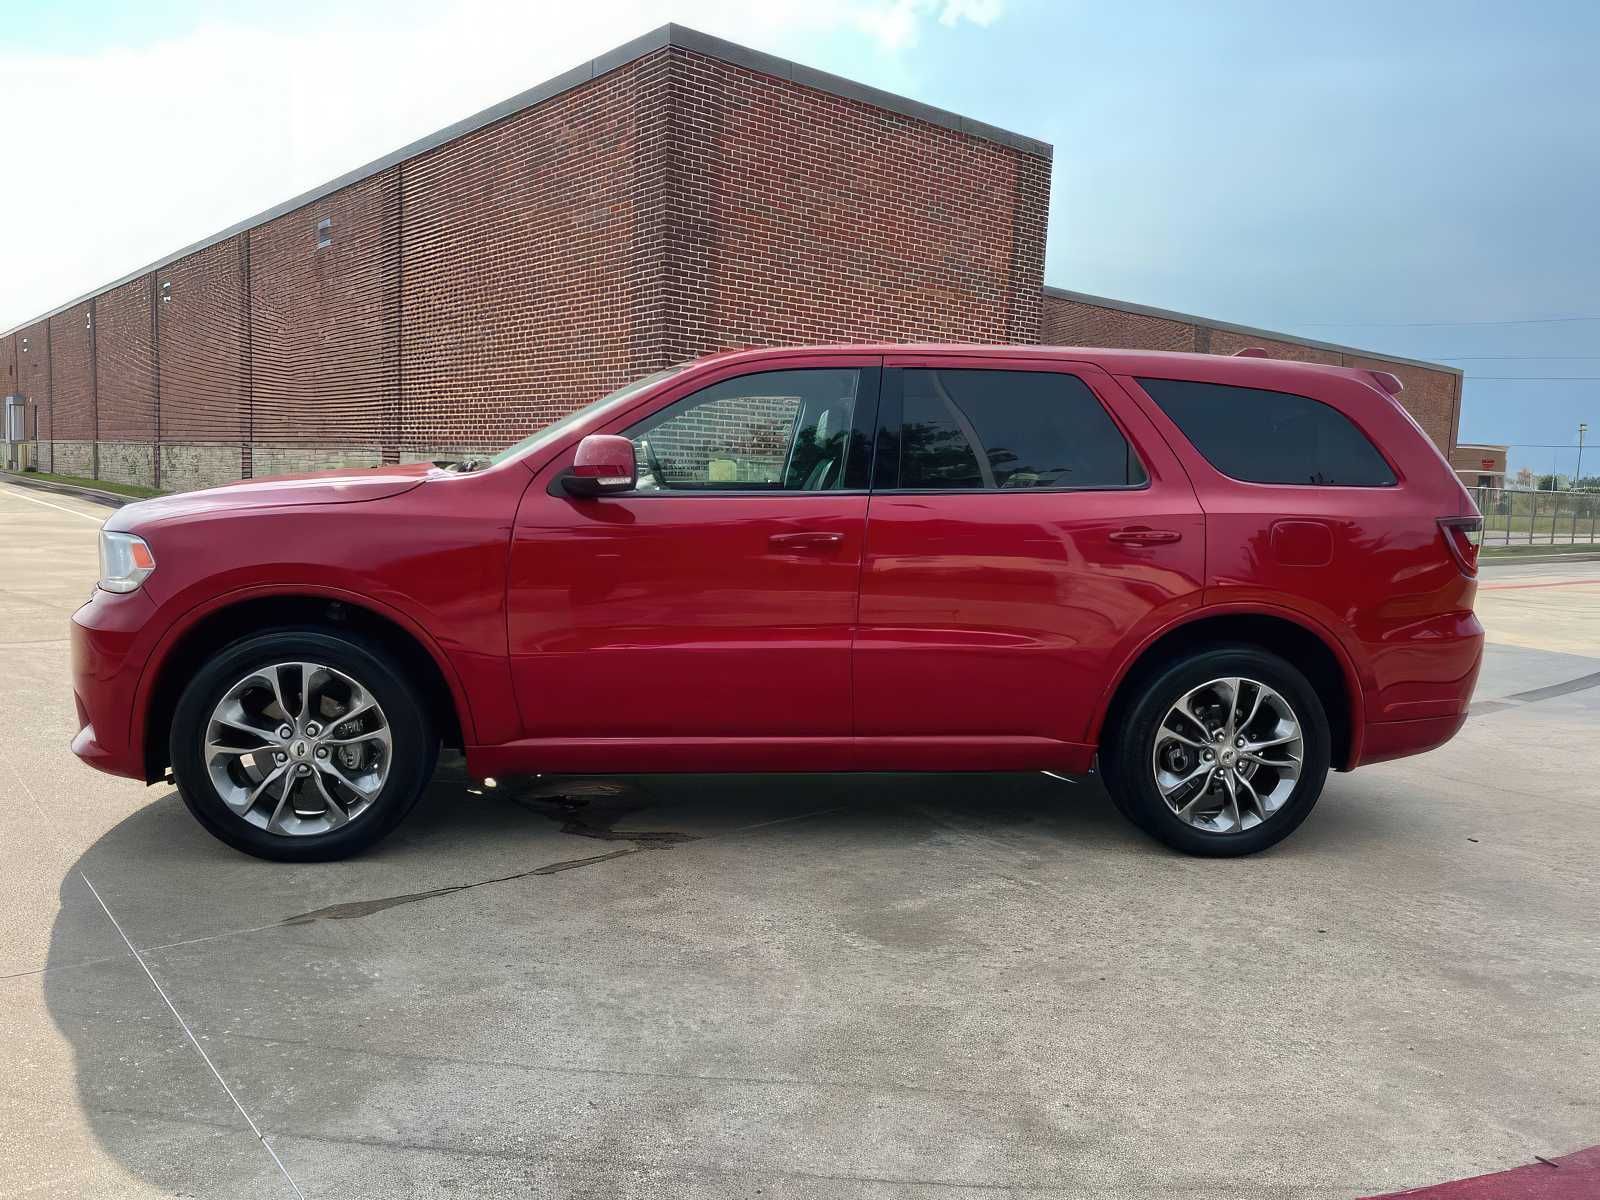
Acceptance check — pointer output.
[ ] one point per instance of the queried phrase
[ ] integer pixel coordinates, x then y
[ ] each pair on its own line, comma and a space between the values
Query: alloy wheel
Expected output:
297, 748
1227, 755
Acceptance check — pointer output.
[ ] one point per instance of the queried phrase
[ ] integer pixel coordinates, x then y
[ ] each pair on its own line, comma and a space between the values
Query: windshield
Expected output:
556, 428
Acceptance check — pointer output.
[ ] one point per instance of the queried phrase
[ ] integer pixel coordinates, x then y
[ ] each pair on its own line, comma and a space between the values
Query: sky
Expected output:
1416, 178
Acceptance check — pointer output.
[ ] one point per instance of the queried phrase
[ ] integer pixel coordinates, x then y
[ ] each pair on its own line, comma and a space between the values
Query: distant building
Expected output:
678, 195
1432, 392
1480, 466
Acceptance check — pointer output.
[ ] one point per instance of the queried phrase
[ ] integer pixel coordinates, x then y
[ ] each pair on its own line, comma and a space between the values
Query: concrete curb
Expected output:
95, 495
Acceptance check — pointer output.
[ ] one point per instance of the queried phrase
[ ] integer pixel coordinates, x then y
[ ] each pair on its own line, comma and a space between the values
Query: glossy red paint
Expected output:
826, 630
605, 460
644, 622
984, 613
1383, 582
1574, 1176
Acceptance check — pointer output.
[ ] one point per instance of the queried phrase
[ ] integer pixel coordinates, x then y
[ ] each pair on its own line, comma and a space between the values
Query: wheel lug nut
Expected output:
322, 752
1240, 743
304, 769
285, 732
281, 757
313, 730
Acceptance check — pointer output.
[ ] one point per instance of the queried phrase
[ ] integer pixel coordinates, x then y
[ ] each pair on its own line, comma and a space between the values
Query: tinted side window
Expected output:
935, 452
1270, 437
1008, 430
771, 431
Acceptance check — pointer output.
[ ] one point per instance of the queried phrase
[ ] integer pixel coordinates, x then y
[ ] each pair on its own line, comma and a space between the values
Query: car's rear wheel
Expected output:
1223, 752
301, 745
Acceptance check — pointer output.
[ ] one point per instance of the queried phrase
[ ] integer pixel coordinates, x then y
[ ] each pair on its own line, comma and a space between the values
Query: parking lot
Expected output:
884, 986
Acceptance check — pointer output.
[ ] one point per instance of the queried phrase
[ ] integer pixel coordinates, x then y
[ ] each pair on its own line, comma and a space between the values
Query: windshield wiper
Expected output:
463, 466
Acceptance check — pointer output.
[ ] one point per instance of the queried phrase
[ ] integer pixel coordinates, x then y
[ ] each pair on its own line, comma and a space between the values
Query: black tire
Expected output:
1126, 755
413, 755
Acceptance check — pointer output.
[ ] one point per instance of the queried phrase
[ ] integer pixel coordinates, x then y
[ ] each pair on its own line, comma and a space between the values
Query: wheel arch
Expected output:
1312, 650
232, 617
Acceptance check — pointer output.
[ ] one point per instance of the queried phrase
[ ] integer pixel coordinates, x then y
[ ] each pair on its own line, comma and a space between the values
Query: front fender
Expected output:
431, 561
177, 630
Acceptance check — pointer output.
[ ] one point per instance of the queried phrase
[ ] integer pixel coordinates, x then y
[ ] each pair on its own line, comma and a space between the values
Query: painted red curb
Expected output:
1575, 1177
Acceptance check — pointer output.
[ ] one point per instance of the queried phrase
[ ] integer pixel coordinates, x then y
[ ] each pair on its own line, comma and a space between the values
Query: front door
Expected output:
1026, 524
709, 610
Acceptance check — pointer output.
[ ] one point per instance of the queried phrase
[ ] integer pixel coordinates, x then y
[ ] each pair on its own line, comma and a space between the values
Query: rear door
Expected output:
1026, 525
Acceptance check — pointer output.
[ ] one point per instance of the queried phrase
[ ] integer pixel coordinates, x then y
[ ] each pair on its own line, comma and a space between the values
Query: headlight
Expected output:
125, 561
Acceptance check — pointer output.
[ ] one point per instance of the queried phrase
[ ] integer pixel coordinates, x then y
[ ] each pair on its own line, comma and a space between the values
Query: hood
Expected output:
318, 487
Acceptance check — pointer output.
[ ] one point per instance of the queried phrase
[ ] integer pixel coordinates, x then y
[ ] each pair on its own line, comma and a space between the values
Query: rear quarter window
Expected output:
1262, 436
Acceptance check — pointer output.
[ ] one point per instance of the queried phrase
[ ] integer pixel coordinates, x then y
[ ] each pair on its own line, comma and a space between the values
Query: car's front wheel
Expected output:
1223, 752
301, 745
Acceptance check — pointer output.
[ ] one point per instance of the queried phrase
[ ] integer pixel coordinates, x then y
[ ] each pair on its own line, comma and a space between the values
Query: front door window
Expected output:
776, 431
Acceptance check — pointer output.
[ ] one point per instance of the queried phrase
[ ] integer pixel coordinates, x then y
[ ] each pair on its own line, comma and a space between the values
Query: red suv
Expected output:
1218, 576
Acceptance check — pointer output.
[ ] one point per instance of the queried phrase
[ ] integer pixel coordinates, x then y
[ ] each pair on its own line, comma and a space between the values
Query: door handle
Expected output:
1140, 535
797, 543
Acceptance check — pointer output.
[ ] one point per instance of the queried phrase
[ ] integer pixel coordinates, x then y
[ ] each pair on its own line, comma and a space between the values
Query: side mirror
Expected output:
605, 464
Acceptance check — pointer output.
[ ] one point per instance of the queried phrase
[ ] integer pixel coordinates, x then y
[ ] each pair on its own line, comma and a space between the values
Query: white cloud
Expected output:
119, 158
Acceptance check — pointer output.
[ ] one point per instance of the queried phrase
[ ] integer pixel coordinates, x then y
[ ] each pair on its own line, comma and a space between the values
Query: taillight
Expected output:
1462, 535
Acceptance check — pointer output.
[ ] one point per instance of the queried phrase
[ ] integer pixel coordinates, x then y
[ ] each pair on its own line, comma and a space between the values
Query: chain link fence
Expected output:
1528, 518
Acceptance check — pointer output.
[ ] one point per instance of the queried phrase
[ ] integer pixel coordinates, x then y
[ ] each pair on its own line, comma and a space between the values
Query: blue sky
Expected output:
1396, 176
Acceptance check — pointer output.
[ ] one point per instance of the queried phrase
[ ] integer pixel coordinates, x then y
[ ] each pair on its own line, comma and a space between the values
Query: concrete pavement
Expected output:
825, 986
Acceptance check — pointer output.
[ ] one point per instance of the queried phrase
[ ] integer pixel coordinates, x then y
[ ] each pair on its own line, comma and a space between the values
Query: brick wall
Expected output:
521, 285
33, 377
125, 354
324, 320
72, 371
800, 216
200, 325
1228, 341
1067, 323
1473, 460
72, 415
1432, 396
125, 382
669, 205
8, 365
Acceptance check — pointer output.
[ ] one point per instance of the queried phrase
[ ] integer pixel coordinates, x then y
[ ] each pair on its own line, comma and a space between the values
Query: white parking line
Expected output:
193, 1040
16, 495
54, 835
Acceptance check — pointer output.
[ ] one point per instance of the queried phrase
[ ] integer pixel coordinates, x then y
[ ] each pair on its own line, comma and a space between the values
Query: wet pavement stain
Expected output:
588, 809
365, 908
592, 809
584, 862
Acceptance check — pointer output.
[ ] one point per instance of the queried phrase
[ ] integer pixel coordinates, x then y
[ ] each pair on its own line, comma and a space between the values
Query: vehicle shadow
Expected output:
201, 916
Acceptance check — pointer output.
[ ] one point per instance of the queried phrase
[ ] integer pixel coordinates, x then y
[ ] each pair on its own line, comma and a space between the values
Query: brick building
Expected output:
678, 195
1432, 392
1480, 466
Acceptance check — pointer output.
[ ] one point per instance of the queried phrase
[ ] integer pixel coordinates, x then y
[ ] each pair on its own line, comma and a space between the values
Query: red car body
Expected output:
827, 630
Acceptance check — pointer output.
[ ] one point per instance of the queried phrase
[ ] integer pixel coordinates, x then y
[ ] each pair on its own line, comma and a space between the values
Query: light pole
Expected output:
1583, 428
